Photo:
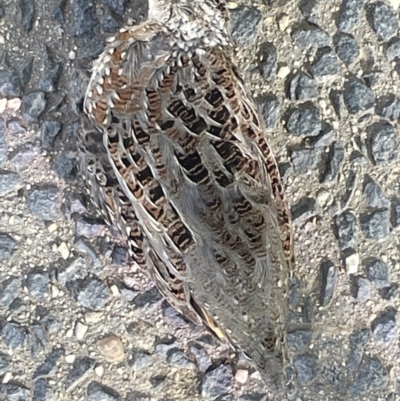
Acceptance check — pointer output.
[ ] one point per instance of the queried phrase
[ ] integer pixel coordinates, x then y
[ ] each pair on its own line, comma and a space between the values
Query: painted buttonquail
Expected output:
178, 162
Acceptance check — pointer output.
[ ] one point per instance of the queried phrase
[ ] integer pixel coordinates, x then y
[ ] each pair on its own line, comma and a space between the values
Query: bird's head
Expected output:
201, 21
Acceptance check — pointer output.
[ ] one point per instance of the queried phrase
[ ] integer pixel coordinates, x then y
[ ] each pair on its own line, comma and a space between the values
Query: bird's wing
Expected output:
190, 155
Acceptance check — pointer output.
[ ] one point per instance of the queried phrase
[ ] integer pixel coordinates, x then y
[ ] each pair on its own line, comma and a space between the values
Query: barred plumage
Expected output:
179, 163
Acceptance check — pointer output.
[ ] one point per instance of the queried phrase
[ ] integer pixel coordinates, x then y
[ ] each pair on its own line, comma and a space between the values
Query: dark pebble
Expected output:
5, 361
26, 72
302, 87
349, 14
51, 74
81, 367
311, 38
65, 165
268, 63
92, 293
37, 283
27, 10
298, 339
347, 48
88, 249
396, 214
388, 107
325, 66
50, 130
140, 361
14, 392
89, 227
244, 25
85, 21
383, 20
38, 330
24, 154
358, 97
376, 225
42, 391
304, 160
270, 109
306, 368
98, 392
383, 142
43, 202
391, 292
179, 359
310, 11
202, 358
378, 272
217, 382
303, 209
3, 142
329, 275
373, 194
384, 326
119, 256
109, 24
174, 317
372, 376
336, 99
49, 366
334, 160
10, 288
117, 6
392, 49
357, 341
346, 229
10, 84
7, 247
304, 121
324, 138
13, 335
8, 181
362, 289
335, 376
149, 297
33, 105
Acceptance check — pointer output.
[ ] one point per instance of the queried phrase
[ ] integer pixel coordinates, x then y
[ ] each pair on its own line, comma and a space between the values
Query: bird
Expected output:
175, 155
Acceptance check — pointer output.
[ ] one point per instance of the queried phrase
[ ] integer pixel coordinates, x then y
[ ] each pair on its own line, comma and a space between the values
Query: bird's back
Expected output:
194, 187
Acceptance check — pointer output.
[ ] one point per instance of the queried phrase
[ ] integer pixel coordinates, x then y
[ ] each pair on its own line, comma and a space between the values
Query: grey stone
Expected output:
43, 202
98, 392
166, 346
268, 64
10, 288
357, 341
13, 335
8, 181
376, 225
302, 87
392, 49
138, 396
24, 154
33, 344
378, 272
304, 160
42, 391
40, 333
324, 138
14, 392
357, 96
244, 25
202, 358
140, 361
7, 247
346, 229
27, 10
391, 292
176, 318
65, 165
362, 289
85, 21
311, 38
3, 142
328, 282
120, 256
303, 209
336, 98
80, 369
37, 283
157, 381
178, 358
89, 227
325, 66
298, 339
33, 105
347, 48
382, 19
90, 252
51, 74
396, 214
334, 159
92, 293
388, 107
10, 84
245, 397
294, 292
2, 12
383, 142
50, 130
51, 323
373, 194
25, 73
306, 368
5, 361
270, 109
384, 326
109, 24
49, 366
304, 121
149, 297
128, 294
372, 376
217, 382
310, 11
117, 6
335, 376
349, 14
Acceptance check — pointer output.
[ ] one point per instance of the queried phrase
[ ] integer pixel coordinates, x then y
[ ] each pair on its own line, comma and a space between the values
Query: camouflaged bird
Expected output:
179, 163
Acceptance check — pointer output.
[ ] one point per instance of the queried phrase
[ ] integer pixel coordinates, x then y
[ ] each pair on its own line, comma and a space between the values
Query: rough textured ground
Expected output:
77, 323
